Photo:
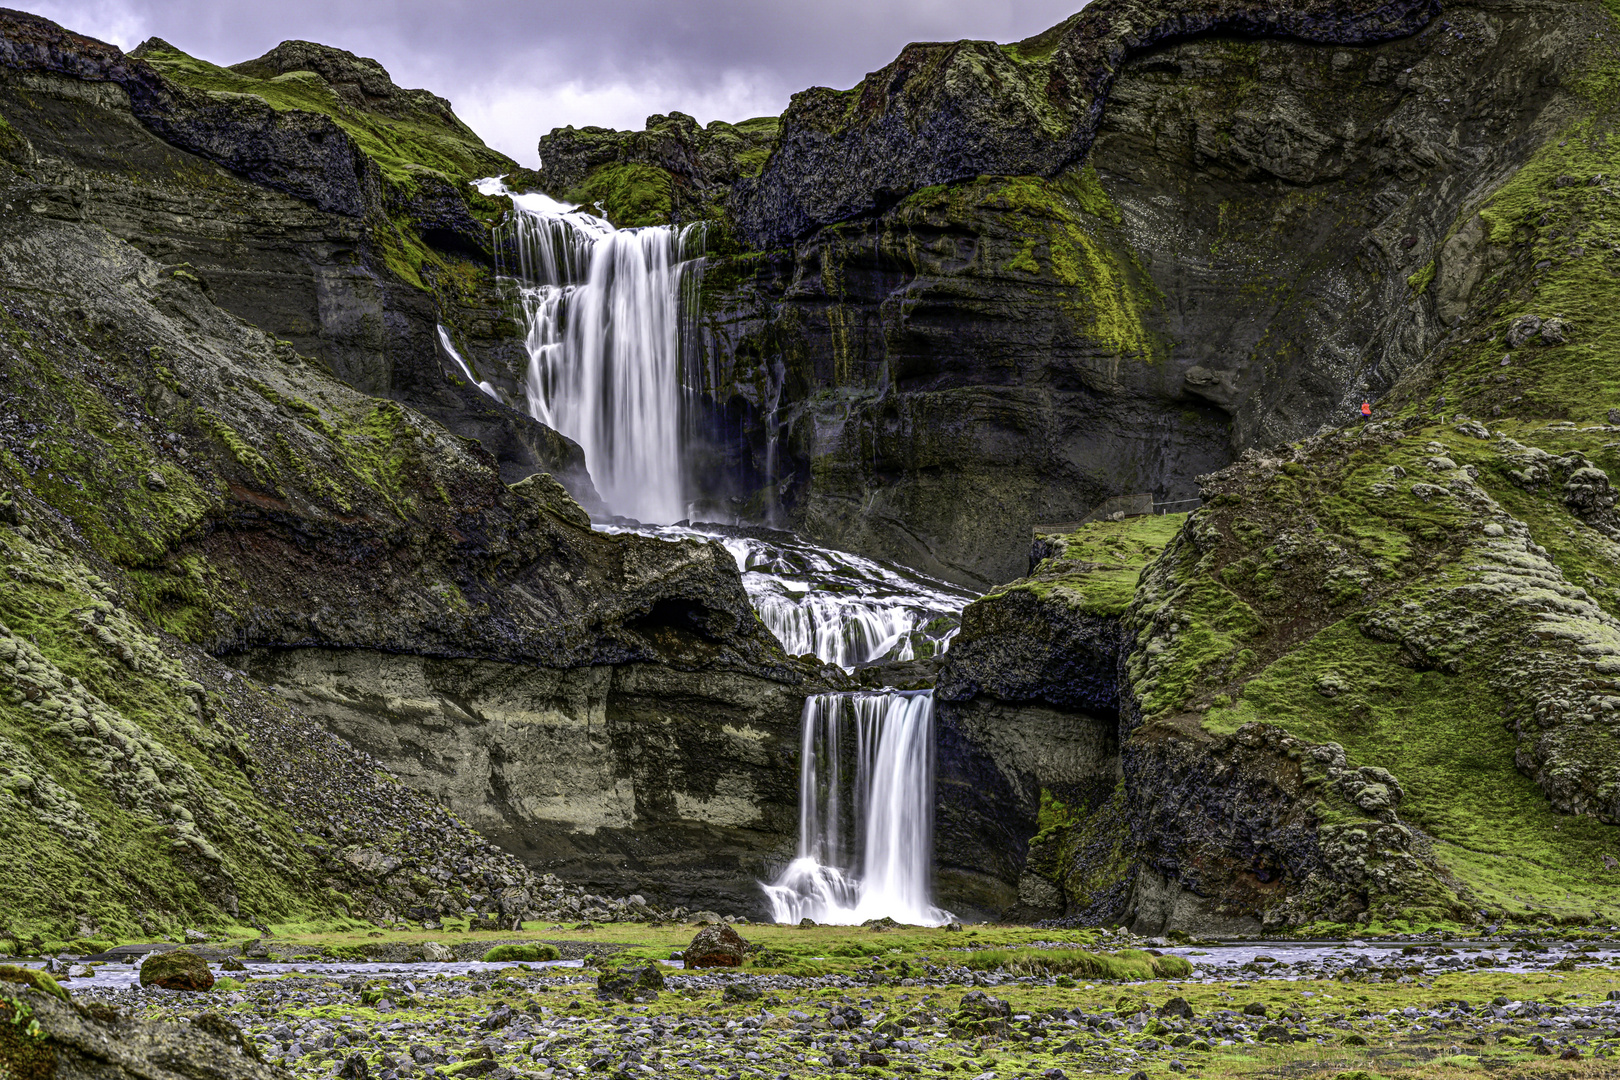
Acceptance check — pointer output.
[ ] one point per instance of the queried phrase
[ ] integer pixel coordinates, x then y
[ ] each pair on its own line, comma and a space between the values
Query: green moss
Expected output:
629, 195
1420, 281
12, 143
39, 980
1040, 48
400, 145
1096, 568
533, 952
1125, 965
1063, 228
1442, 736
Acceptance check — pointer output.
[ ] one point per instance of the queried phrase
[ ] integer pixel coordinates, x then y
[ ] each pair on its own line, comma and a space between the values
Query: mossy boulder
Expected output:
180, 969
33, 977
528, 952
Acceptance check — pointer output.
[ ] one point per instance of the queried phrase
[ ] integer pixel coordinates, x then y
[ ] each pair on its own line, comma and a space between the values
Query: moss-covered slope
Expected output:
1405, 594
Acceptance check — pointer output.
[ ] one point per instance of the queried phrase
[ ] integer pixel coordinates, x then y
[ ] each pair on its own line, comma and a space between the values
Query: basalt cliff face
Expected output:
227, 434
993, 285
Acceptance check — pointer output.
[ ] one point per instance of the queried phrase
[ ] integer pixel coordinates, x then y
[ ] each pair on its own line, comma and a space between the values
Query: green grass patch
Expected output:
1127, 965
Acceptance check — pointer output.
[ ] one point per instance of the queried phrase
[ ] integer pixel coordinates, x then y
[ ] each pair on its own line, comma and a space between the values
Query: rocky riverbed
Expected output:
933, 1002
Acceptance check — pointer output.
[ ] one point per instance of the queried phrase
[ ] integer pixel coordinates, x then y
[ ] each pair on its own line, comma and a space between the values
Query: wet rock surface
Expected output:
951, 364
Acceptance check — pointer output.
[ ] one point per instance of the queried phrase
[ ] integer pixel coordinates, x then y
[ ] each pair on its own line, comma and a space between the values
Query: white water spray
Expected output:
604, 310
865, 852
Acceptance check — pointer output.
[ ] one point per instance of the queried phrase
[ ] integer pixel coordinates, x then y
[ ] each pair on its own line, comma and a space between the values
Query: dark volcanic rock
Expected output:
953, 111
1016, 645
1028, 701
930, 377
630, 984
80, 1043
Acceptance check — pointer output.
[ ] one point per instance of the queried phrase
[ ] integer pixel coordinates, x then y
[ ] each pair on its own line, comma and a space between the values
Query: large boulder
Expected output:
94, 1040
180, 969
716, 946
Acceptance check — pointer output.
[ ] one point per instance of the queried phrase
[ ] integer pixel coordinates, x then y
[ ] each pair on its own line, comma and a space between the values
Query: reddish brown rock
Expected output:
716, 946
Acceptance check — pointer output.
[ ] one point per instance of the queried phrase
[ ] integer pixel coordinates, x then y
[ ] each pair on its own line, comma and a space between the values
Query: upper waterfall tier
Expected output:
604, 315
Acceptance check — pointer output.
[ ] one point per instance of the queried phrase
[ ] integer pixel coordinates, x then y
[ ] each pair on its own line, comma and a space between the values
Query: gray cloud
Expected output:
514, 70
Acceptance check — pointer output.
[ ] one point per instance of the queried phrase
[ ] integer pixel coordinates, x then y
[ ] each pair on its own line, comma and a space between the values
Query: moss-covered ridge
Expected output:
403, 131
1369, 592
671, 171
315, 122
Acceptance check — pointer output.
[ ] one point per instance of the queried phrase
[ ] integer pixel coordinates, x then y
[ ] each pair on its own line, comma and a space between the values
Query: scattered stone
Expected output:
1522, 330
1177, 1007
741, 993
631, 984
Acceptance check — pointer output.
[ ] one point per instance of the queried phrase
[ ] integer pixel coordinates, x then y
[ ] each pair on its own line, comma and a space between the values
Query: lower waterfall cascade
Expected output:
866, 844
603, 311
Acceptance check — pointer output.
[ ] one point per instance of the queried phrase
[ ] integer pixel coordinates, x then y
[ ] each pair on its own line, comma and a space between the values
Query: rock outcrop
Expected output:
1027, 706
77, 1042
949, 112
351, 259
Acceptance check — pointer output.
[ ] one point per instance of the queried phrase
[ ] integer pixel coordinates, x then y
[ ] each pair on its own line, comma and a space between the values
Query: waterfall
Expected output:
604, 312
865, 851
466, 369
842, 608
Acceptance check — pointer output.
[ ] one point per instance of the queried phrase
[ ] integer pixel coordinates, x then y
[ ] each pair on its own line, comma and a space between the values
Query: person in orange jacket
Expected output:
1366, 411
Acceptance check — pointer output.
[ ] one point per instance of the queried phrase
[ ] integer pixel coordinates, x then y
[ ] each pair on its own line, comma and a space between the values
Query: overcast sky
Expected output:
515, 69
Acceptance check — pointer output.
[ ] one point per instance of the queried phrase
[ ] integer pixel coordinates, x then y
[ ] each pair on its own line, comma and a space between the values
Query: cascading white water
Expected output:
604, 310
884, 866
466, 369
842, 608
